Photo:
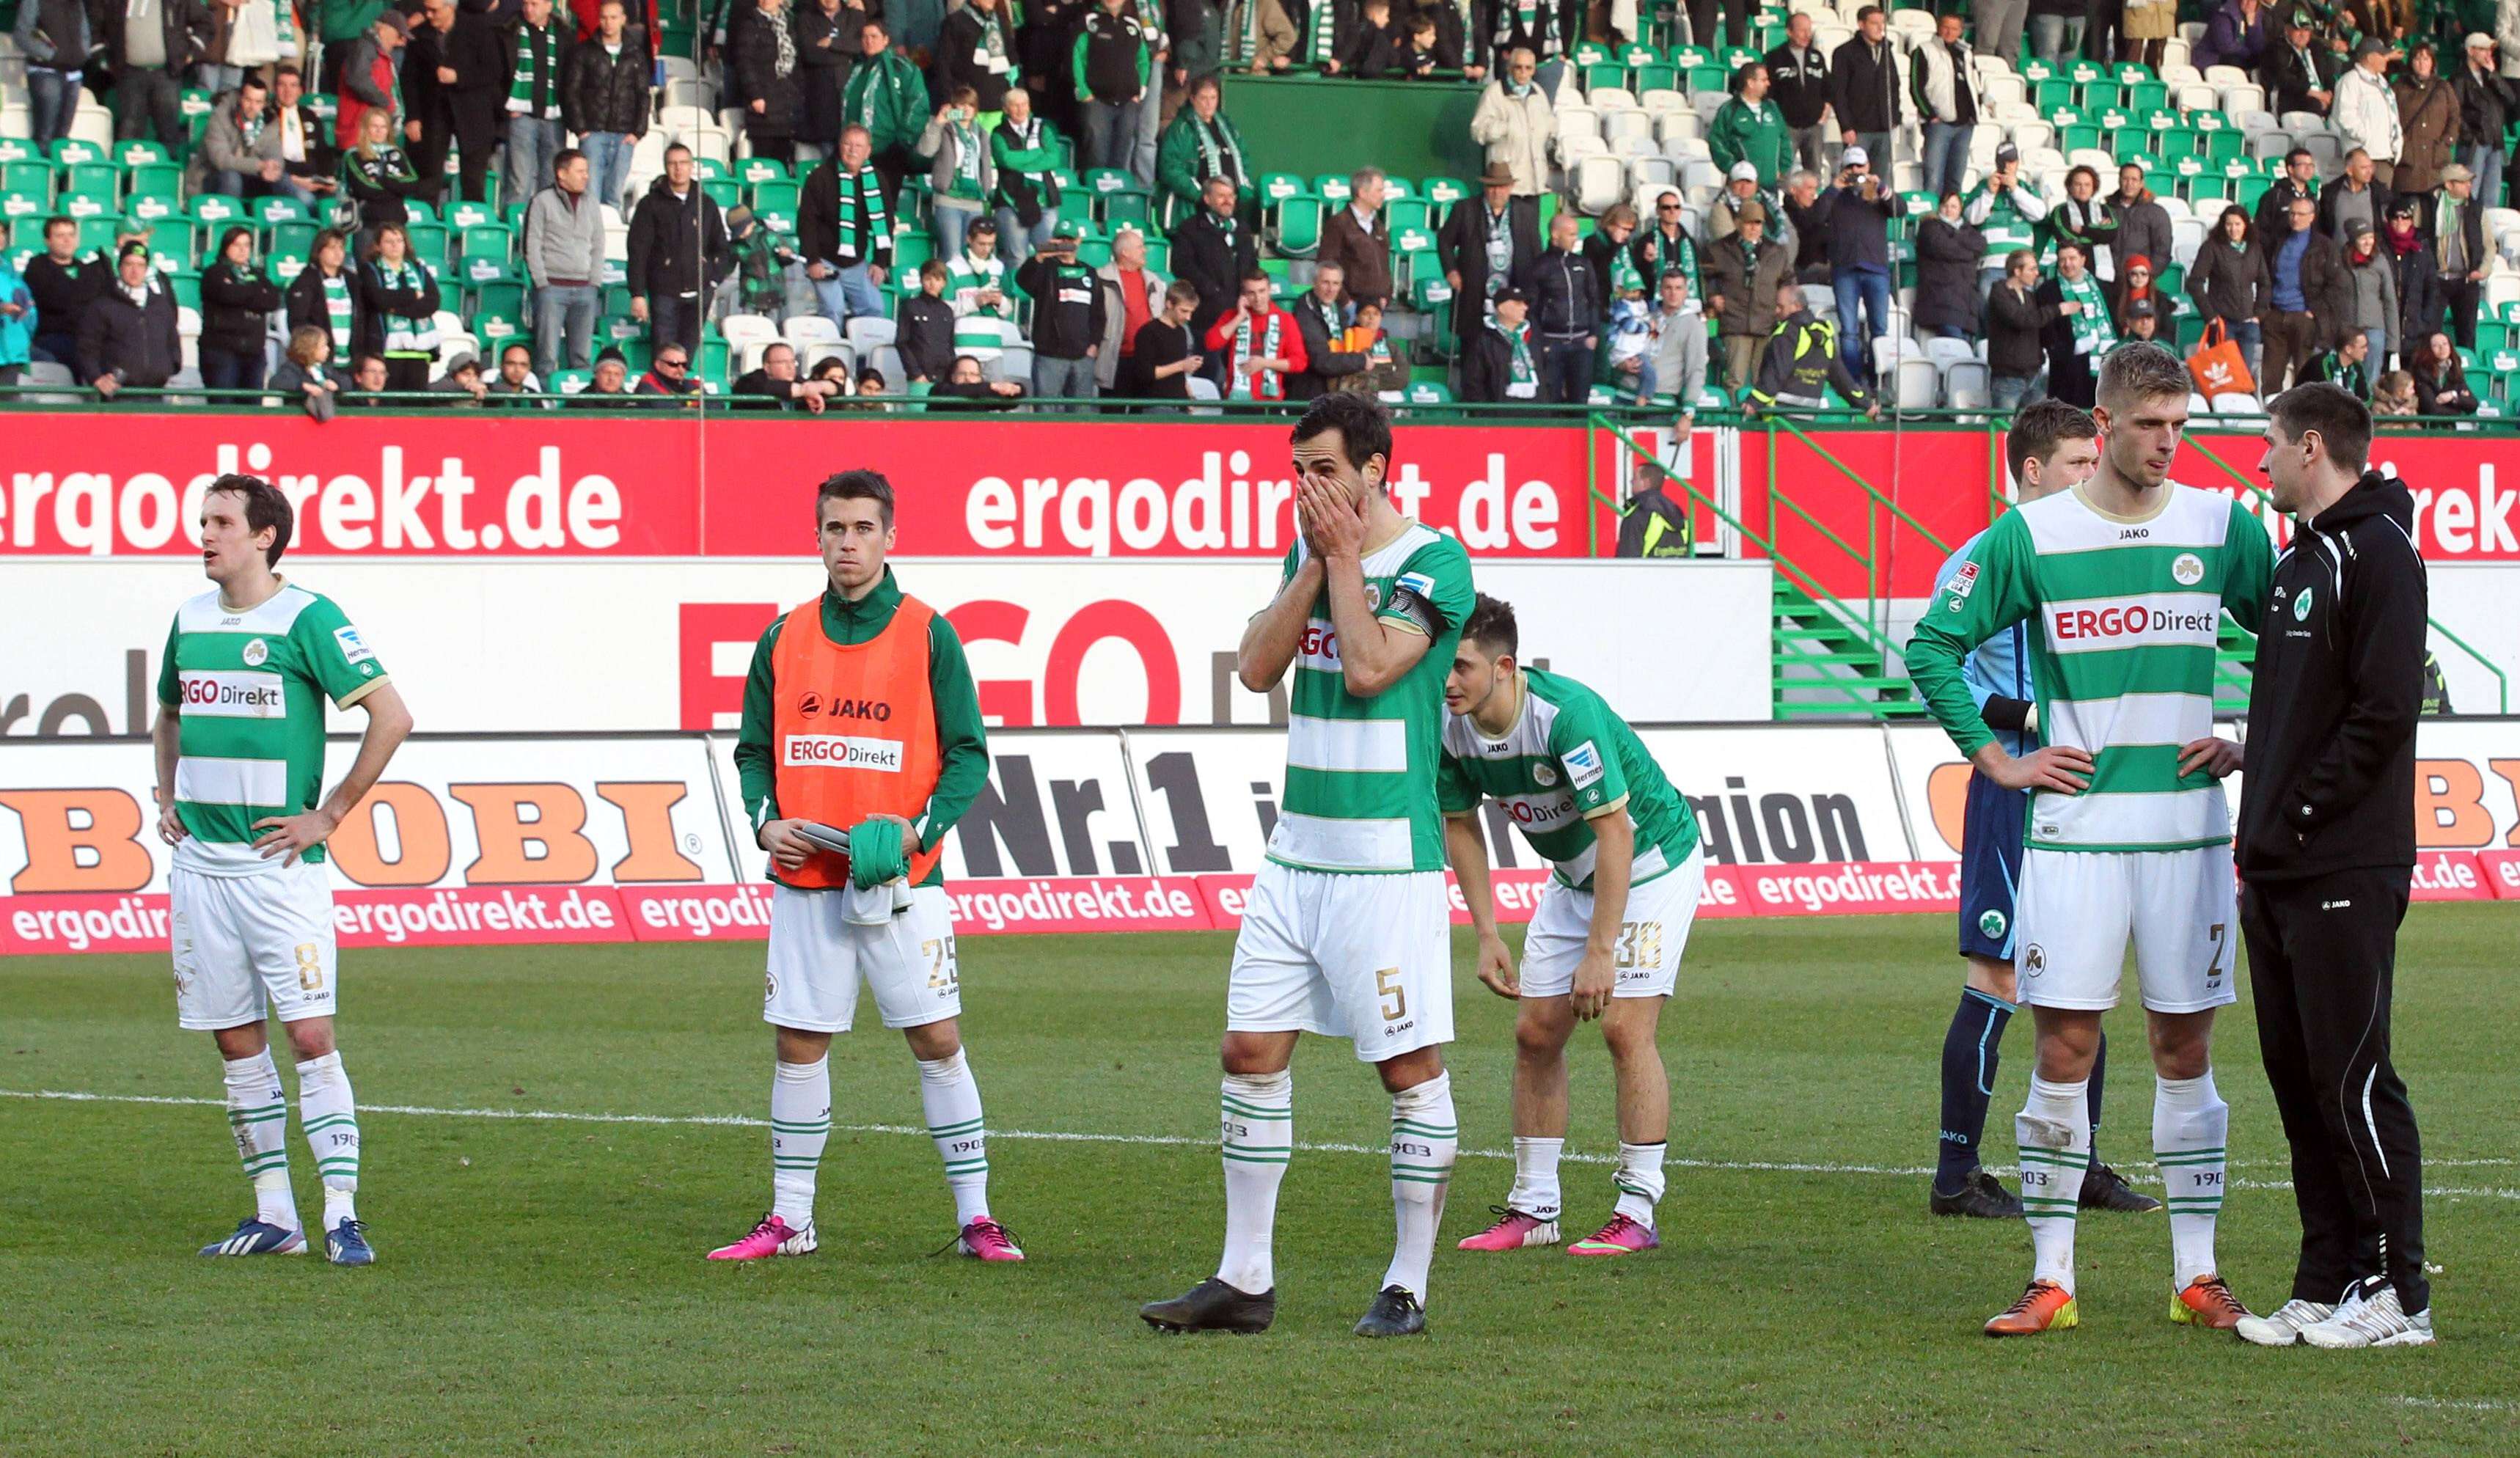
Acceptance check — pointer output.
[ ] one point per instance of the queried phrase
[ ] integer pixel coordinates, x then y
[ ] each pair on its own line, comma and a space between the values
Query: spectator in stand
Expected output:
2428, 116
1501, 361
18, 323
308, 167
2241, 32
1197, 28
537, 47
1948, 256
887, 98
2017, 316
669, 375
2056, 29
367, 383
2136, 289
2460, 257
1804, 361
827, 51
1677, 366
2441, 379
844, 230
326, 294
1666, 247
1740, 190
976, 49
1568, 305
2084, 217
1131, 295
1067, 319
153, 44
2300, 74
1164, 353
398, 305
367, 77
678, 253
1798, 83
1856, 215
2300, 179
2145, 29
517, 375
2407, 254
2306, 285
2007, 210
923, 331
1371, 46
1514, 122
454, 84
1202, 144
871, 385
55, 37
1944, 82
1046, 59
239, 152
961, 172
2366, 109
1485, 242
758, 261
778, 382
2228, 281
2349, 366
1736, 22
976, 283
127, 333
1213, 252
306, 375
1742, 271
1025, 153
2358, 197
1387, 360
2076, 336
2394, 394
1653, 526
2143, 224
1612, 251
462, 380
605, 102
63, 287
764, 76
1865, 85
612, 383
1497, 29
2139, 323
2486, 104
237, 299
1322, 319
1801, 233
1750, 128
1358, 239
969, 382
1259, 342
377, 175
1426, 51
564, 246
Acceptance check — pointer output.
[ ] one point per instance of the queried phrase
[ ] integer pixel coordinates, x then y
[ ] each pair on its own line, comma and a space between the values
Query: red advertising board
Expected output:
557, 484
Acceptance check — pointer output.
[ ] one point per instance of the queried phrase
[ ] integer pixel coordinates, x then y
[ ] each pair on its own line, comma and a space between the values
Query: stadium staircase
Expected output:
1832, 663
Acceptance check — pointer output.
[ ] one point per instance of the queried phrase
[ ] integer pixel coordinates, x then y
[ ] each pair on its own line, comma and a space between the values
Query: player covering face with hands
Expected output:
1625, 875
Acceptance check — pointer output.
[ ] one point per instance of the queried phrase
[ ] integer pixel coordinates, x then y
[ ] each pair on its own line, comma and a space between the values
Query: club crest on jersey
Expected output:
1963, 584
257, 653
2035, 960
2187, 569
1373, 597
1544, 774
1992, 924
2301, 607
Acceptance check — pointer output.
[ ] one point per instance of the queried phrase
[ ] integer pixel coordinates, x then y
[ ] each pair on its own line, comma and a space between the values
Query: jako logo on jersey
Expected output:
2131, 621
2301, 607
1583, 764
2187, 569
256, 653
840, 751
1963, 584
1992, 924
230, 695
809, 704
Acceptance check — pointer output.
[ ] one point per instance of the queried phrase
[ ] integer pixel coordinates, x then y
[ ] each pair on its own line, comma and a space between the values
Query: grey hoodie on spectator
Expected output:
224, 148
564, 242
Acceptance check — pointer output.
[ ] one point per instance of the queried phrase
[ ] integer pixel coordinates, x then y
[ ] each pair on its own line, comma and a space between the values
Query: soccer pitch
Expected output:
554, 1135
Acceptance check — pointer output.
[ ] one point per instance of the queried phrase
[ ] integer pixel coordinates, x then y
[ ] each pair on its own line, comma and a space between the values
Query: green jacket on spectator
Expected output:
1754, 132
340, 22
1191, 150
889, 99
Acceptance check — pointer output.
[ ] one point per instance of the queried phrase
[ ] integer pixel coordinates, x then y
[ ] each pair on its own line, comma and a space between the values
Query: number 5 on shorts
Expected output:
1395, 998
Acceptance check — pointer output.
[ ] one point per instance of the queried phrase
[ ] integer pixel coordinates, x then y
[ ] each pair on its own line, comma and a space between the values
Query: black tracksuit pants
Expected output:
2322, 957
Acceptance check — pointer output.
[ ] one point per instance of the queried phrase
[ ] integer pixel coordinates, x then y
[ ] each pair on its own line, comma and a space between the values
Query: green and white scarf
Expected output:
2093, 334
966, 160
252, 130
1217, 147
1624, 275
863, 219
536, 53
284, 22
991, 56
1522, 377
1250, 384
406, 335
1333, 323
337, 309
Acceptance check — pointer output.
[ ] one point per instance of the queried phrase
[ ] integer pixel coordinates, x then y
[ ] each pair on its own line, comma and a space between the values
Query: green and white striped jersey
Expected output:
2125, 614
248, 686
1567, 760
1360, 791
979, 331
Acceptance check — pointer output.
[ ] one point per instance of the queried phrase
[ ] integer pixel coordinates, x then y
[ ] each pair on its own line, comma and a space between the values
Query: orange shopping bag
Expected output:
2218, 365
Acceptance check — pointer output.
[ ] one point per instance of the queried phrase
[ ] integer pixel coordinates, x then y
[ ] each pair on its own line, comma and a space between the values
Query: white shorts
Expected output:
244, 943
1368, 958
2078, 908
818, 957
1652, 931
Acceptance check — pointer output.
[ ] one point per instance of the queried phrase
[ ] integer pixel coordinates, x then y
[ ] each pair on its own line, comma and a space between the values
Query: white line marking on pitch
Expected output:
2459, 1405
1057, 1136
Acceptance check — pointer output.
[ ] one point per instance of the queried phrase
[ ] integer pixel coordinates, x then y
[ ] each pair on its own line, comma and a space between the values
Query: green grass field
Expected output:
541, 1288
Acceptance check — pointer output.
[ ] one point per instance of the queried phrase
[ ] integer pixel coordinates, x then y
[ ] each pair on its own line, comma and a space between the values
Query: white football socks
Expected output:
331, 1121
1424, 1138
951, 1099
1639, 1182
2055, 1130
800, 1124
1259, 1137
1535, 1177
2189, 1126
259, 1112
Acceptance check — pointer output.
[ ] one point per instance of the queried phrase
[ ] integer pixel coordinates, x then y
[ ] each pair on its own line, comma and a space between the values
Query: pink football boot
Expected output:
772, 1237
1513, 1231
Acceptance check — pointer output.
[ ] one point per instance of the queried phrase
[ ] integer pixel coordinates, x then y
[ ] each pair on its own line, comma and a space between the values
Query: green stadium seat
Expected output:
24, 209
171, 245
2223, 146
2035, 71
495, 330
567, 382
637, 354
1277, 186
910, 250
2050, 96
1444, 192
138, 151
84, 205
726, 192
162, 180
1159, 254
2148, 96
32, 176
1428, 293
2133, 72
102, 177
17, 150
194, 103
615, 299
713, 360
323, 104
1297, 225
1331, 188
460, 214
2101, 96
514, 215
1131, 210
429, 244
1591, 53
1656, 78
501, 293
284, 269
2085, 73
1408, 214
488, 241
752, 170
186, 285
1605, 74
1686, 57
271, 212
2075, 138
710, 169
613, 328
1737, 57
1636, 55
70, 151
1413, 241
1706, 77
1093, 252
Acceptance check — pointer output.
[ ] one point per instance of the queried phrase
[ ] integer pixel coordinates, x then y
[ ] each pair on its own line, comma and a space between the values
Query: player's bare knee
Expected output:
1249, 1054
243, 1041
2068, 1041
931, 1041
1995, 977
799, 1045
1410, 1068
2182, 1043
1632, 1034
1540, 1031
310, 1037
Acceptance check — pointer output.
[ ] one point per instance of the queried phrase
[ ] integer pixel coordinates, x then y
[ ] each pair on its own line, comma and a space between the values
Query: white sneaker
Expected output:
2374, 1319
2284, 1327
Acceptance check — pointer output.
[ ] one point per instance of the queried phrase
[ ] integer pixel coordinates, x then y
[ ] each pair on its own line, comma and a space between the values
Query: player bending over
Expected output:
860, 717
2130, 838
1348, 932
2052, 446
1625, 873
240, 742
